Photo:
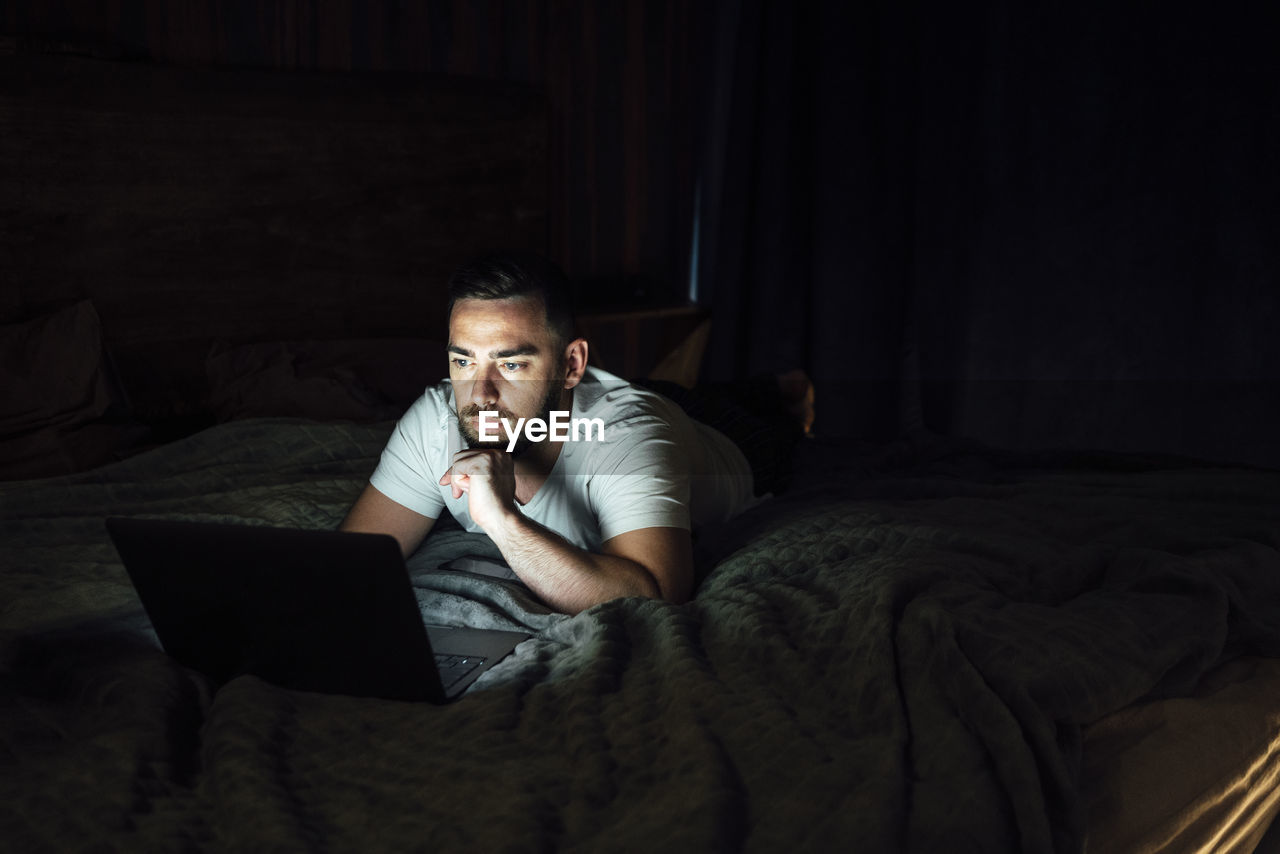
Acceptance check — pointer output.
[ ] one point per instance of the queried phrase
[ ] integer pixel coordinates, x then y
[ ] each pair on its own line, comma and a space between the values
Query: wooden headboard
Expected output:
196, 205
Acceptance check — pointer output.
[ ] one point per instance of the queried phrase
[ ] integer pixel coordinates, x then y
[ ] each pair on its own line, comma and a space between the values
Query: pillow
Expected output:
51, 370
352, 379
54, 380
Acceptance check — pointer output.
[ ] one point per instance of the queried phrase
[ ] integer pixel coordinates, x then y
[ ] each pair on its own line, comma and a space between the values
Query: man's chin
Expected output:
474, 442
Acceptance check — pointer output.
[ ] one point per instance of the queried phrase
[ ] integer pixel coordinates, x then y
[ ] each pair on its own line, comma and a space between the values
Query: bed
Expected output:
919, 646
915, 649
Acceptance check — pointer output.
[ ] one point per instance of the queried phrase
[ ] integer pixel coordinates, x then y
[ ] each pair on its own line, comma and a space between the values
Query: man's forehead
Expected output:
501, 326
525, 309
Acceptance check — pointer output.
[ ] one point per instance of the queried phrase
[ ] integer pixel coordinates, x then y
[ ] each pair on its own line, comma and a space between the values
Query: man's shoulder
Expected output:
632, 420
432, 409
603, 395
434, 398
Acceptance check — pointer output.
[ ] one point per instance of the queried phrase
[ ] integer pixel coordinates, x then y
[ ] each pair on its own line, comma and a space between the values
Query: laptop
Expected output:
311, 610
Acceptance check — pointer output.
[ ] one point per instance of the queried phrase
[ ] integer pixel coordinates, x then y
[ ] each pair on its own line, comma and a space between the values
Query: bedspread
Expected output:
890, 657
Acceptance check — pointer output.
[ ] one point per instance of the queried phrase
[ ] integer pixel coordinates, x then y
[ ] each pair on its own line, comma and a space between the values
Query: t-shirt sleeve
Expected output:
404, 473
642, 482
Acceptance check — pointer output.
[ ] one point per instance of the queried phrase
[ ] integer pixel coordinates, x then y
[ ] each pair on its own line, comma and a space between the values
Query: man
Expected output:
601, 509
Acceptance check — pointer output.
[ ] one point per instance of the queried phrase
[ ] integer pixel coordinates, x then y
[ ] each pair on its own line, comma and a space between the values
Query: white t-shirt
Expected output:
656, 466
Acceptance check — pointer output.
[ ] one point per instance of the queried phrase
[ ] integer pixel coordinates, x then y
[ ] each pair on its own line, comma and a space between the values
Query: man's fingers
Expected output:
465, 464
458, 480
473, 454
472, 461
469, 463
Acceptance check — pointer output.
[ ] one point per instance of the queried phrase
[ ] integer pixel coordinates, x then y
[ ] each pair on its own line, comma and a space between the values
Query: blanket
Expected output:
898, 654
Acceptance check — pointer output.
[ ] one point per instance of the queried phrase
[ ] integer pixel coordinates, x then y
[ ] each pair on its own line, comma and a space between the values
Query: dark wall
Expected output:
617, 76
194, 206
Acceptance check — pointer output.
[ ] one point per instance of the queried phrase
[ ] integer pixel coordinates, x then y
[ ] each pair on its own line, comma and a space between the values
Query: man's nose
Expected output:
484, 390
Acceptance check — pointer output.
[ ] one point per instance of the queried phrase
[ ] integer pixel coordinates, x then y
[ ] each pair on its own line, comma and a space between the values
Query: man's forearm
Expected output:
564, 576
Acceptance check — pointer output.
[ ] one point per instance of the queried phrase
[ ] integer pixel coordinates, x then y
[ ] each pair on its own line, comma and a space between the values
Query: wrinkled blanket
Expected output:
898, 654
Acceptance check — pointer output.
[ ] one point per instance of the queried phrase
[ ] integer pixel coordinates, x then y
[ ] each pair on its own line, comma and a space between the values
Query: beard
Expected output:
472, 436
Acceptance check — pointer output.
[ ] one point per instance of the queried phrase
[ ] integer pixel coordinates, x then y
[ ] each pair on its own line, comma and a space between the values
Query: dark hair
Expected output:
509, 275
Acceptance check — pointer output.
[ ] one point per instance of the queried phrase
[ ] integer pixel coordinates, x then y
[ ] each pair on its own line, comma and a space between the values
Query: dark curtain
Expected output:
805, 214
1027, 224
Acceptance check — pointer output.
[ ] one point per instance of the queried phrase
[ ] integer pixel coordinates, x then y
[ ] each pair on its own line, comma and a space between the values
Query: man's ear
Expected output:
575, 361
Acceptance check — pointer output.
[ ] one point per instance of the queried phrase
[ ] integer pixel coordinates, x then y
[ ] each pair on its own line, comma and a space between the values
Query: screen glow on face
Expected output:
502, 360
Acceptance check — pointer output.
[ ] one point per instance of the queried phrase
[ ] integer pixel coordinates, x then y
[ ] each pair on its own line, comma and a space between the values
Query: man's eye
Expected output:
460, 362
512, 366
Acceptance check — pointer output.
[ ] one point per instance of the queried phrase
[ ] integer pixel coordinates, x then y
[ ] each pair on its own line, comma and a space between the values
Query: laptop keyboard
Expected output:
454, 667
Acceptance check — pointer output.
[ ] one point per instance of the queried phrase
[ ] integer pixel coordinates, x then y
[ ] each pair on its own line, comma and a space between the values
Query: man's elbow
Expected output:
637, 583
640, 584
674, 590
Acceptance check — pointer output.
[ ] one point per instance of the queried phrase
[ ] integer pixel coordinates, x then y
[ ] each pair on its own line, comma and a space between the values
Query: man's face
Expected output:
502, 357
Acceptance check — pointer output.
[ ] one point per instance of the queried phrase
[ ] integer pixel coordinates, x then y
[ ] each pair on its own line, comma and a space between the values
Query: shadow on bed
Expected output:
108, 684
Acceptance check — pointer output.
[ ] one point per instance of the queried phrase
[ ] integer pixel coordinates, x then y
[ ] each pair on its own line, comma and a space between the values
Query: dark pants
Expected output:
752, 414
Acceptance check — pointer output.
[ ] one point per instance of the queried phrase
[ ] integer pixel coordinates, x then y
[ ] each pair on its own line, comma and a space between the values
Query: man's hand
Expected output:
654, 562
488, 477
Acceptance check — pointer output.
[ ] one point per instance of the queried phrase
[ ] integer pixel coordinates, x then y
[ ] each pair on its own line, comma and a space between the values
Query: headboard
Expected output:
199, 205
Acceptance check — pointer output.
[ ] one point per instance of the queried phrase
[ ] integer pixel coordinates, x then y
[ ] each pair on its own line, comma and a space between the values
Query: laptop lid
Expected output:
311, 610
